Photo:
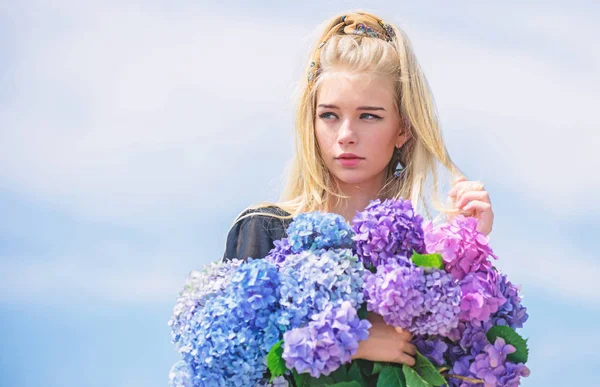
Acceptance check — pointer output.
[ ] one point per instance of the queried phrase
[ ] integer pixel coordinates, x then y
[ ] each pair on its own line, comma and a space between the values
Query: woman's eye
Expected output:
370, 116
327, 115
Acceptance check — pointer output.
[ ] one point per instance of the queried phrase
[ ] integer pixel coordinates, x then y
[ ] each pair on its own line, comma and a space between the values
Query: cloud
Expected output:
545, 263
75, 281
151, 113
526, 115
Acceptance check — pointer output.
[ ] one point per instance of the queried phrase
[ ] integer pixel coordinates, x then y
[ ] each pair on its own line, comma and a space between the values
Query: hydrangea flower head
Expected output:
181, 375
227, 340
200, 285
327, 342
512, 313
319, 230
481, 296
387, 229
492, 367
313, 279
464, 249
433, 347
423, 301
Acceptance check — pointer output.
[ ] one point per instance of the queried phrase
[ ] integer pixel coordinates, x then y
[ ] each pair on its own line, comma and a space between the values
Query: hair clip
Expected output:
388, 30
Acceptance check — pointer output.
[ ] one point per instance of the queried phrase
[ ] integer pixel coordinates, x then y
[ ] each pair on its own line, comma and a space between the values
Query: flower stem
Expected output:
469, 380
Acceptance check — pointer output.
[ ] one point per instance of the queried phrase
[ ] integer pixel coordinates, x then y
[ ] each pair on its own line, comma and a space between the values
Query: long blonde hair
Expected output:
310, 185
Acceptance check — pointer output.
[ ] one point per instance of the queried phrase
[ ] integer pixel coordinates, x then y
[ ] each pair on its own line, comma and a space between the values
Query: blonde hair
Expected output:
310, 185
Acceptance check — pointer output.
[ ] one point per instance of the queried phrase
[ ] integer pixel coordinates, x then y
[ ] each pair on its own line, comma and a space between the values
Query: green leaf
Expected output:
302, 380
345, 384
367, 367
362, 311
340, 374
391, 376
354, 373
377, 367
513, 338
428, 260
428, 371
413, 379
275, 362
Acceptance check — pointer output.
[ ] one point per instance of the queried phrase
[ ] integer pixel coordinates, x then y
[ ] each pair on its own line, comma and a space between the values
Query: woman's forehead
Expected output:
343, 88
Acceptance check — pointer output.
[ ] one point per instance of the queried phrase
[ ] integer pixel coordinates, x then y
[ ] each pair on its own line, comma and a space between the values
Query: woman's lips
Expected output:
349, 161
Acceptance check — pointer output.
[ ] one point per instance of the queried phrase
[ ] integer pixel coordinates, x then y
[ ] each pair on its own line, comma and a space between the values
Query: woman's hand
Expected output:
386, 343
471, 199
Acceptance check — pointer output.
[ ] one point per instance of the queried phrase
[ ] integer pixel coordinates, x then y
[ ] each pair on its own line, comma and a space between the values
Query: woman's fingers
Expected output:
466, 185
477, 206
404, 333
467, 197
411, 349
402, 357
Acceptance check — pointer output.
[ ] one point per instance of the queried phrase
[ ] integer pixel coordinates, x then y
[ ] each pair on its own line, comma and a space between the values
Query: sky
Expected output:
132, 134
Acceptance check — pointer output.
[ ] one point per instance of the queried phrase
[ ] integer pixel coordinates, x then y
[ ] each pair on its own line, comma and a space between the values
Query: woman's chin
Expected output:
351, 177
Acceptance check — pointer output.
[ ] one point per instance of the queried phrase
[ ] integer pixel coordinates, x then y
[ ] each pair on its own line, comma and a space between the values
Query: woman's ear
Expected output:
403, 137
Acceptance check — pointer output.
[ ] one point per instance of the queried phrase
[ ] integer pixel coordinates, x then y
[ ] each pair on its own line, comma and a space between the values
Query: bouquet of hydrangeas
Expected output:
294, 310
438, 283
297, 316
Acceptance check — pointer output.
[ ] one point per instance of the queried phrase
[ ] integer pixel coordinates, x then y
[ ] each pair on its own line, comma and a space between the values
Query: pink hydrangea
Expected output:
464, 250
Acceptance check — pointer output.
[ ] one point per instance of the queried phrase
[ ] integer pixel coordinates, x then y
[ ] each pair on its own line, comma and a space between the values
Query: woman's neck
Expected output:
359, 197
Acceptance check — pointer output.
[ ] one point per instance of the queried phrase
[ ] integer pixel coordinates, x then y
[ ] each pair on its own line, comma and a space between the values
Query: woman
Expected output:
366, 128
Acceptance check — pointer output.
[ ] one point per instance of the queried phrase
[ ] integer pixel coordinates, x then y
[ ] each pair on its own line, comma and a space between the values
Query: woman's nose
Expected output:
346, 134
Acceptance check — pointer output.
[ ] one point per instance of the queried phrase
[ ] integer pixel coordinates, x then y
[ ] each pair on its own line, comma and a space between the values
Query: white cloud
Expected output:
149, 113
558, 270
518, 118
63, 280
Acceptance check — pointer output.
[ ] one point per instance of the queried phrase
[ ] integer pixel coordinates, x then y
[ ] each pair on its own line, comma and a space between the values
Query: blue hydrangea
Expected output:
182, 375
313, 279
319, 230
199, 287
231, 335
391, 229
327, 342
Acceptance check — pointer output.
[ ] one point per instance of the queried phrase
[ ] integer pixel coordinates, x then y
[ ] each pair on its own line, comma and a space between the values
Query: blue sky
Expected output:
132, 133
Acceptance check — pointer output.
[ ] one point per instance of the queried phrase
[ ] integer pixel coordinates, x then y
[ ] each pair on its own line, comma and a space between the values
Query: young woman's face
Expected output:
357, 127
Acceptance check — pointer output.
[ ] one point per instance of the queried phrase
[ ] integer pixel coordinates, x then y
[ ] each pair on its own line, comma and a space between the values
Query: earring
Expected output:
399, 166
399, 169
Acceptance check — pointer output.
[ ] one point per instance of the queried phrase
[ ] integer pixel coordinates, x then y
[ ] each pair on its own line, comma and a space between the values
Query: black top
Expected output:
253, 237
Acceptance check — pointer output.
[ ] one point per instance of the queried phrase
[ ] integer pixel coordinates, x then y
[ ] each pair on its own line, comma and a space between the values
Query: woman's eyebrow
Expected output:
371, 108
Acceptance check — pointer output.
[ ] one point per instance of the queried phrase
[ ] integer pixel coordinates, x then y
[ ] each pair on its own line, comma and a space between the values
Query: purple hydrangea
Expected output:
327, 342
280, 252
433, 347
464, 249
512, 313
460, 367
481, 296
226, 340
313, 279
391, 229
474, 339
421, 300
492, 366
